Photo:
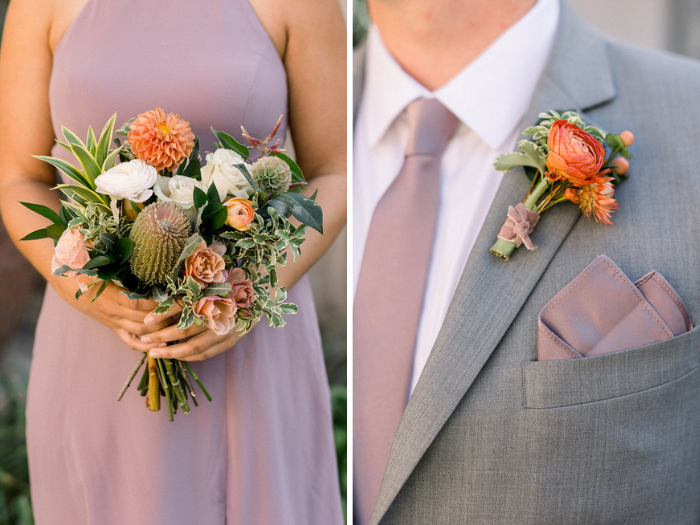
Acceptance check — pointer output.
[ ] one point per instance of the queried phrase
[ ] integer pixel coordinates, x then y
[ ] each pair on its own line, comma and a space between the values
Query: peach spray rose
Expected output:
71, 250
206, 265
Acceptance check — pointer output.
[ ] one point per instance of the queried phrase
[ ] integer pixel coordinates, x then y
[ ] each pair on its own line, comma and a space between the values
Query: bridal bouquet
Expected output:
565, 161
161, 225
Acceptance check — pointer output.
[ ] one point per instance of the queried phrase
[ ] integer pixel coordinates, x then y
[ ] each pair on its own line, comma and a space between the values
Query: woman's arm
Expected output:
26, 130
315, 57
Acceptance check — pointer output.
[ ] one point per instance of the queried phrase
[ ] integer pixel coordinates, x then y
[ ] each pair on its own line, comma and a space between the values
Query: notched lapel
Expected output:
491, 292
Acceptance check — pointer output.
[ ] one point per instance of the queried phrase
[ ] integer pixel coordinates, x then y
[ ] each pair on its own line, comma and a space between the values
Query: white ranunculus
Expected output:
131, 180
179, 190
221, 170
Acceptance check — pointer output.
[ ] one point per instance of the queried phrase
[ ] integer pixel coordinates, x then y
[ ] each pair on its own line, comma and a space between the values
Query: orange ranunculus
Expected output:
240, 213
163, 141
574, 155
595, 199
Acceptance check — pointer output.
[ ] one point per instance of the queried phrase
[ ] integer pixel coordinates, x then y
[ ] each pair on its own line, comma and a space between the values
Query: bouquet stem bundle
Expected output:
165, 377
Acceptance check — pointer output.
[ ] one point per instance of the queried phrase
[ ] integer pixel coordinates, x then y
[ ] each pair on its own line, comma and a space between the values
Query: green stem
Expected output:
166, 387
186, 380
153, 399
503, 249
204, 390
176, 385
143, 384
132, 374
540, 189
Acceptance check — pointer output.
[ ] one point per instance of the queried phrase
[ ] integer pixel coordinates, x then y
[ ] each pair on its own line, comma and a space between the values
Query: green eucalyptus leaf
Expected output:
244, 170
44, 211
56, 230
199, 197
102, 288
96, 262
107, 273
226, 141
281, 205
306, 211
194, 168
35, 235
213, 195
124, 247
109, 240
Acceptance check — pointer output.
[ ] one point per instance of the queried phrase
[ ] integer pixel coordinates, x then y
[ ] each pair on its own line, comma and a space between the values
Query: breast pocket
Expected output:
569, 382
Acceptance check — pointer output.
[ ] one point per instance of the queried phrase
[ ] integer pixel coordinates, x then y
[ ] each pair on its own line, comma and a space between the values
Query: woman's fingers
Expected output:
139, 329
143, 305
152, 319
202, 346
134, 342
171, 333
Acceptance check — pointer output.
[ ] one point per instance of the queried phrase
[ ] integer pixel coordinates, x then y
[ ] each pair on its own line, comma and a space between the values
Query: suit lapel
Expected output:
491, 292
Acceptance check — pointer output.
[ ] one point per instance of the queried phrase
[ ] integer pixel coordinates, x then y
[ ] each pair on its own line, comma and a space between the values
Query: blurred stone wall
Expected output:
673, 25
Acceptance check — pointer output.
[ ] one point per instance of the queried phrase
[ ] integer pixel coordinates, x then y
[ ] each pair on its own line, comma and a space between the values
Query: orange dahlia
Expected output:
595, 199
163, 141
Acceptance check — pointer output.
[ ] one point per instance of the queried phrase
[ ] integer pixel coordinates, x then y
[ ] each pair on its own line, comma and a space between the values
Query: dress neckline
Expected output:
83, 13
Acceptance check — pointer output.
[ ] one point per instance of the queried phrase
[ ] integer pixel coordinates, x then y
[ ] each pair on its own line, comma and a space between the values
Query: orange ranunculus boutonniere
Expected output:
565, 161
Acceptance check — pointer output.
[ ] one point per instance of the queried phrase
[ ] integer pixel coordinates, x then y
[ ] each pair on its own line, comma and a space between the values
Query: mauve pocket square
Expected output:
601, 311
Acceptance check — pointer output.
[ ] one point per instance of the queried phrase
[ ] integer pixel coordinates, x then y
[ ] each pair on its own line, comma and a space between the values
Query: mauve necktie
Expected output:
390, 293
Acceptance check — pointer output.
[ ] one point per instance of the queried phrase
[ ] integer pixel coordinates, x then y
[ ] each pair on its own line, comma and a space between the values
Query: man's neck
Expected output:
435, 39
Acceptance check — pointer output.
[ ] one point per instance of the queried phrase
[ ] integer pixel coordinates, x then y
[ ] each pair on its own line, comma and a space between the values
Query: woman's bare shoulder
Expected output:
61, 14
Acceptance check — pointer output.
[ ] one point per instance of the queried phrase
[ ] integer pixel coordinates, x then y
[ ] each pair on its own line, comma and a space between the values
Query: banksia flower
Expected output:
272, 174
163, 141
595, 199
159, 234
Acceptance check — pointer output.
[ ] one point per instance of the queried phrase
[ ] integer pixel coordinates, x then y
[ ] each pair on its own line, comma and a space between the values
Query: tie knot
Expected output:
430, 126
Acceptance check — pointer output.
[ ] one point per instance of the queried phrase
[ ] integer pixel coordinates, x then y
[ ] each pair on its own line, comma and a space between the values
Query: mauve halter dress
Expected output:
262, 451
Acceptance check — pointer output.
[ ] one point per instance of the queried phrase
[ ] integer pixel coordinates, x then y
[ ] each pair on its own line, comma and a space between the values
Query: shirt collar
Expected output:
490, 95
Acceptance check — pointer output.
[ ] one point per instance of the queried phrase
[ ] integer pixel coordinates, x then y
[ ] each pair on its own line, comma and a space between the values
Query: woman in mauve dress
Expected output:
262, 451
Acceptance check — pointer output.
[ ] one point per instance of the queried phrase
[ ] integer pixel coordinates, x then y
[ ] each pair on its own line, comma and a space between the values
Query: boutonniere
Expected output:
565, 161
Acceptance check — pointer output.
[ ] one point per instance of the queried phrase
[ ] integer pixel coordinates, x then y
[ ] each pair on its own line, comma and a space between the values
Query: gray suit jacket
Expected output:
491, 435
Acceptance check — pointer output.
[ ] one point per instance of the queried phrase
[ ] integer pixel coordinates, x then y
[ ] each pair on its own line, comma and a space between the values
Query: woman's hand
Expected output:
201, 343
116, 311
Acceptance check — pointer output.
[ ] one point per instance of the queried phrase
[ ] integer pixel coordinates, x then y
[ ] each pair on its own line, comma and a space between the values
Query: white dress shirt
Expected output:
490, 97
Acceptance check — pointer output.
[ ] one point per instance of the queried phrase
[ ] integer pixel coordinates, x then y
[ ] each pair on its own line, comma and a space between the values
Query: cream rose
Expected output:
179, 190
131, 180
220, 169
